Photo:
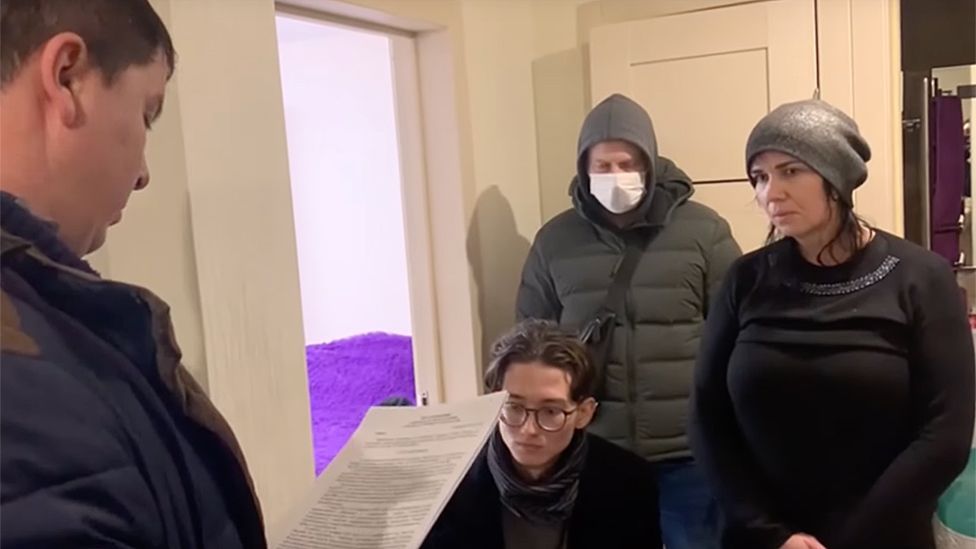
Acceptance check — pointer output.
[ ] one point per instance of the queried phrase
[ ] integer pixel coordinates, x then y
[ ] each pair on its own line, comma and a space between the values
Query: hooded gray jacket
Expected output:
648, 375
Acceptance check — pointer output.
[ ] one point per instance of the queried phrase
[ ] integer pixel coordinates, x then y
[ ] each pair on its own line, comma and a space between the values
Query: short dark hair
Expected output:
542, 341
118, 33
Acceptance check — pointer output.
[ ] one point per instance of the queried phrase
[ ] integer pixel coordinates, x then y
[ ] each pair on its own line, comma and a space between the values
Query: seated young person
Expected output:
542, 482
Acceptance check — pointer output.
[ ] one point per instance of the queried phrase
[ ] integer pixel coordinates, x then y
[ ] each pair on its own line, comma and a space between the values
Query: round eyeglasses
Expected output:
547, 418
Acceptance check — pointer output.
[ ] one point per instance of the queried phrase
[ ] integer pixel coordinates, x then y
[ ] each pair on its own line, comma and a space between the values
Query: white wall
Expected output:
342, 154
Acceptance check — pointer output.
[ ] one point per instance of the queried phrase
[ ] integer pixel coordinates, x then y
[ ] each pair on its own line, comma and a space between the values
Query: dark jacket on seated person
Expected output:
106, 439
615, 508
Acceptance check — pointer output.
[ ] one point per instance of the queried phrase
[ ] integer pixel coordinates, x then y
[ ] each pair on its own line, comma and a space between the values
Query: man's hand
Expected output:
802, 541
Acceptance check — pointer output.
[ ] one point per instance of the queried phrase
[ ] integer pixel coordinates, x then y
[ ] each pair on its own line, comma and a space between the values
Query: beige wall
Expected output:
500, 44
153, 245
237, 177
221, 142
561, 95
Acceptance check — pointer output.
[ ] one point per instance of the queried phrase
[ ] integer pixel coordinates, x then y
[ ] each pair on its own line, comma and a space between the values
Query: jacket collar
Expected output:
22, 230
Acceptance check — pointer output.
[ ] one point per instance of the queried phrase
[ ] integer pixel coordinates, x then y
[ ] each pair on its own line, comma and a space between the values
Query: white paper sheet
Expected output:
390, 482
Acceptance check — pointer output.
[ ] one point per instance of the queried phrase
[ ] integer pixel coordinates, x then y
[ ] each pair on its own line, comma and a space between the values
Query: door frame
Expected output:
413, 196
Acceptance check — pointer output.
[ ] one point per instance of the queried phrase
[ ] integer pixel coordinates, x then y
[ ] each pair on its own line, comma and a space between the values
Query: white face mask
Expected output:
618, 192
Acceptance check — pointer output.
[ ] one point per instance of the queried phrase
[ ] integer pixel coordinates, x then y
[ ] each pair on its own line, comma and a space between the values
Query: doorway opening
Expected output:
339, 90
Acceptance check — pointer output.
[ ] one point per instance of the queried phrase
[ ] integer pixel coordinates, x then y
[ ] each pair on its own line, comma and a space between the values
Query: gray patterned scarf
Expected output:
550, 501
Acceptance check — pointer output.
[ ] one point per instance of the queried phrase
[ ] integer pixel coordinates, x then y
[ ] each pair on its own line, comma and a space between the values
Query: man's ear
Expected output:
65, 63
585, 411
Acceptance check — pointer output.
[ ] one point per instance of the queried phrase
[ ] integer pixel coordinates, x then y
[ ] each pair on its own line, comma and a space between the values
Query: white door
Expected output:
706, 78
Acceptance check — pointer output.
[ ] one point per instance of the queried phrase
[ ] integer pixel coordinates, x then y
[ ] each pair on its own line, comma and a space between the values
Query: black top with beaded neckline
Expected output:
870, 263
838, 400
868, 266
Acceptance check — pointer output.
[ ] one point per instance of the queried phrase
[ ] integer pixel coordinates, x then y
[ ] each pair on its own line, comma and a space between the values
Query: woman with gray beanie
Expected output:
834, 391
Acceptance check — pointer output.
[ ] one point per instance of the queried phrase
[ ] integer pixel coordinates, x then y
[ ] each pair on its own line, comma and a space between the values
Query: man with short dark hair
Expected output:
106, 439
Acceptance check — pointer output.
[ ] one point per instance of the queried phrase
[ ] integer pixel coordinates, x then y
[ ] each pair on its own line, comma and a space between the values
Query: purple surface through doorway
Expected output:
346, 377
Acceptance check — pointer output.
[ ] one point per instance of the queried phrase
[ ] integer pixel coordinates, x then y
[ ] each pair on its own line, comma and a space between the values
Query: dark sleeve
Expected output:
66, 478
469, 519
942, 370
719, 256
444, 534
648, 517
717, 441
617, 504
537, 296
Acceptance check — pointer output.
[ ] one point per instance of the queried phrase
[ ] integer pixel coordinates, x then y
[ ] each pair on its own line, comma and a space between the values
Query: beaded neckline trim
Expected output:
851, 286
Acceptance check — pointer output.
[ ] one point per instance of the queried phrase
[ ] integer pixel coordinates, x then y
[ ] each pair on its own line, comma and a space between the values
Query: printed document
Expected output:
393, 478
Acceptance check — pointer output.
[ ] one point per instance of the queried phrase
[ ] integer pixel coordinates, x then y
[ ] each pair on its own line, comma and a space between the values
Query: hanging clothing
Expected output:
947, 174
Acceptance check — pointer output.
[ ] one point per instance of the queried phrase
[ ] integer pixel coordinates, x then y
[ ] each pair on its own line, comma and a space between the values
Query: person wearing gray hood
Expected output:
633, 266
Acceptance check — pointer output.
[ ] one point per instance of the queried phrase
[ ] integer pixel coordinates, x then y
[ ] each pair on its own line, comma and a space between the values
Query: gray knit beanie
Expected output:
821, 136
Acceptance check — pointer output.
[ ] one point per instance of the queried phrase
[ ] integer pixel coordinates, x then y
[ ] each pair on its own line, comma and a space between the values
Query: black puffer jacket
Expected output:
569, 270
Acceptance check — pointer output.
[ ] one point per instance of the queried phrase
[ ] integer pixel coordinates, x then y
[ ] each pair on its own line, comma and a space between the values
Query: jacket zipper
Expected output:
631, 356
631, 370
628, 358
